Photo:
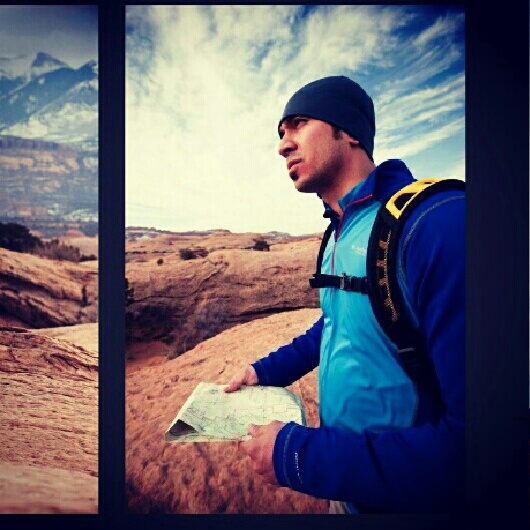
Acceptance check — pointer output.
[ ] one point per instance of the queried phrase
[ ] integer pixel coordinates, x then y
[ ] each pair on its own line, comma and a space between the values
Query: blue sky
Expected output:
67, 32
206, 85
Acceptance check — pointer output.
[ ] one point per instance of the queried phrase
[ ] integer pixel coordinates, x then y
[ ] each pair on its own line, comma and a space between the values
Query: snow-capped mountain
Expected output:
45, 63
49, 100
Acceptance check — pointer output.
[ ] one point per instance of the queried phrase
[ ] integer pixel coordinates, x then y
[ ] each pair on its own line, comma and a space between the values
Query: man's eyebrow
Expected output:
294, 117
287, 121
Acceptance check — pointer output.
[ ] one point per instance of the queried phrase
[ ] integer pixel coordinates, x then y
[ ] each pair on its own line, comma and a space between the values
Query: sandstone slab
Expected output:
49, 418
183, 302
41, 293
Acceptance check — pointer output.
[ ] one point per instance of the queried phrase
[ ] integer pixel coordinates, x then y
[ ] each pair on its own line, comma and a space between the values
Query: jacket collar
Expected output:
381, 183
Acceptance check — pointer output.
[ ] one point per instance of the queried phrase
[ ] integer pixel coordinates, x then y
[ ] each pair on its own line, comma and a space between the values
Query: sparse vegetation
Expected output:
17, 238
160, 261
54, 249
53, 227
193, 253
260, 244
187, 254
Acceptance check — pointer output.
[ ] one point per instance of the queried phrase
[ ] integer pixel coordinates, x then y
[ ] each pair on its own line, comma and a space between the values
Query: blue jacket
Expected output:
383, 444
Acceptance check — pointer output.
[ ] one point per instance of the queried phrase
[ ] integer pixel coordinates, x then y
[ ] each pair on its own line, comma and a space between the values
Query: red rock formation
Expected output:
186, 301
41, 293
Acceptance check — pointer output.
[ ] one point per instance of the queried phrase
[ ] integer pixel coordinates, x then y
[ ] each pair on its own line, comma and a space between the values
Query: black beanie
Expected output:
338, 101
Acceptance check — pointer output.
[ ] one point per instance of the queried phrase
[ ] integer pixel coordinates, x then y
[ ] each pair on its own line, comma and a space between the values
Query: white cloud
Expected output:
434, 113
409, 146
443, 27
206, 86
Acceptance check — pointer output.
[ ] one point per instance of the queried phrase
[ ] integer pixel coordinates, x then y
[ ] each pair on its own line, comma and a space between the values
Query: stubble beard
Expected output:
312, 183
320, 180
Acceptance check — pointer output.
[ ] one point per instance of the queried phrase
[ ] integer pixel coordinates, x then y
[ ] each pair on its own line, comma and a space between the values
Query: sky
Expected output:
206, 86
67, 32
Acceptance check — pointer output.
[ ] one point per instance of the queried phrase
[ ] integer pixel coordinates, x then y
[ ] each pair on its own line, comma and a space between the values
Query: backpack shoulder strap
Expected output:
344, 282
385, 294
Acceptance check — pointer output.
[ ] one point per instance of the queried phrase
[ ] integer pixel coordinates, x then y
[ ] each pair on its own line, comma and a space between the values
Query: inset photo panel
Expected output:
258, 379
49, 259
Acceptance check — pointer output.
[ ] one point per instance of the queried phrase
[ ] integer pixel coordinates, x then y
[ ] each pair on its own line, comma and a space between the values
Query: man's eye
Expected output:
297, 121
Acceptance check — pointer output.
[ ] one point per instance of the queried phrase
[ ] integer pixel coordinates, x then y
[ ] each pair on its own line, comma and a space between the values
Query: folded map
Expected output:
211, 414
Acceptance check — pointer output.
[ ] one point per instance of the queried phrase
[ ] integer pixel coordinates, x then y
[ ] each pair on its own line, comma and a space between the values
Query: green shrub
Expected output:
17, 238
187, 253
260, 244
54, 249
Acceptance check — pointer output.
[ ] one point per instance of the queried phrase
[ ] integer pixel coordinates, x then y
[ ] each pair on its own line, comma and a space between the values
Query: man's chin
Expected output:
296, 182
301, 186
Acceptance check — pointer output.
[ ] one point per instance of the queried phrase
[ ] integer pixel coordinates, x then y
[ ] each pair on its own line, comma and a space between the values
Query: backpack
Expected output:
381, 283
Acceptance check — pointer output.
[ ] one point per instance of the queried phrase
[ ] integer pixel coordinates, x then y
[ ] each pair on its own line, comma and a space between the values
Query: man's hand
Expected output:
260, 448
245, 376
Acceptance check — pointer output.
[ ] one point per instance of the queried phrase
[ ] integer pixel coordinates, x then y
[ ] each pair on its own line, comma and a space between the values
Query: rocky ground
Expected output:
41, 293
213, 477
48, 384
49, 418
183, 302
200, 320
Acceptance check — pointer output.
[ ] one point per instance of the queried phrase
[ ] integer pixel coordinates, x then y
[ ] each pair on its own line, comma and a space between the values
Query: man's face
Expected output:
314, 154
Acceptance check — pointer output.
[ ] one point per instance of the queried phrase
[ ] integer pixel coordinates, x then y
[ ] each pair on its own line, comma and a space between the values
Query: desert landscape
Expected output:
199, 307
49, 384
201, 318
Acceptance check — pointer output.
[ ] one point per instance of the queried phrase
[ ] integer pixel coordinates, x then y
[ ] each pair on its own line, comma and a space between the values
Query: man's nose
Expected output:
286, 146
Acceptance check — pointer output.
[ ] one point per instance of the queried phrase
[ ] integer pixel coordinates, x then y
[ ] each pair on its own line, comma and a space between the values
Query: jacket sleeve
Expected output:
418, 469
292, 361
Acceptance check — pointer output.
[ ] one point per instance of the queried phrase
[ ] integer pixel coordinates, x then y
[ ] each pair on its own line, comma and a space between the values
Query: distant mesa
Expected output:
205, 284
138, 232
48, 186
16, 142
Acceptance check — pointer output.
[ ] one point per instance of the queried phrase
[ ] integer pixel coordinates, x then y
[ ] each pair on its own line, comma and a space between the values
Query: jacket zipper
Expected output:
339, 227
337, 235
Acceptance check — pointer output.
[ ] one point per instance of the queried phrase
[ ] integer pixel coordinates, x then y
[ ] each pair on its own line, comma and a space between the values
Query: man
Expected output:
384, 444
